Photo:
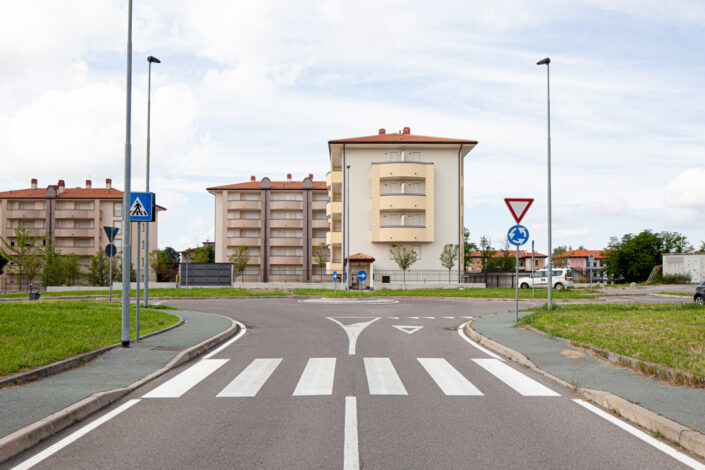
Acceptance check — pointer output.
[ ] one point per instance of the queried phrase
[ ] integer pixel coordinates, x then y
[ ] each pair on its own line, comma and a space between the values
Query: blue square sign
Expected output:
142, 207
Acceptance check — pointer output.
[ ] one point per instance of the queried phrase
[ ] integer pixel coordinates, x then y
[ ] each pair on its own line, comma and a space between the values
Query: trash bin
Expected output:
34, 296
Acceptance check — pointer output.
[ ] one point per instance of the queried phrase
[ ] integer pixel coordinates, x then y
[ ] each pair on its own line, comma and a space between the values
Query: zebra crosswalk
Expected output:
318, 377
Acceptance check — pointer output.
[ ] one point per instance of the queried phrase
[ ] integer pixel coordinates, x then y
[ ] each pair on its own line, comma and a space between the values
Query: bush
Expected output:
673, 279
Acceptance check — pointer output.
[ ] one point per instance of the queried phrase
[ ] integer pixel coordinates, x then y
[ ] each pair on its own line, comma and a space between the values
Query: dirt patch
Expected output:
572, 354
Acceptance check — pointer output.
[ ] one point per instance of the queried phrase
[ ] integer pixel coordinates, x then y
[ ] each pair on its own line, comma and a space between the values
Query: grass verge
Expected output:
665, 334
39, 333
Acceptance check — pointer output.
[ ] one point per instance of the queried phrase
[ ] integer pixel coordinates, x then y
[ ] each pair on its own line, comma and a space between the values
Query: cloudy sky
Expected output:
259, 87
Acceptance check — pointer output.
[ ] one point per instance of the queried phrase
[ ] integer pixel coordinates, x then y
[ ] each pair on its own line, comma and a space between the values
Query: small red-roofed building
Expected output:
475, 265
581, 264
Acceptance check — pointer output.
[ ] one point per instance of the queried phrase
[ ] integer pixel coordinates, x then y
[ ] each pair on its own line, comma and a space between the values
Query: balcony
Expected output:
320, 223
402, 233
319, 205
244, 241
77, 250
402, 202
334, 238
334, 207
242, 204
76, 214
286, 223
32, 232
318, 240
284, 260
404, 169
26, 214
74, 232
290, 205
243, 223
286, 241
334, 178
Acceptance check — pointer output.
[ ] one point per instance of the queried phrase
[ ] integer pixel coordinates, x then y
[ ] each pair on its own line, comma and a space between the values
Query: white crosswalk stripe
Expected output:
526, 386
250, 380
317, 378
447, 377
186, 380
382, 378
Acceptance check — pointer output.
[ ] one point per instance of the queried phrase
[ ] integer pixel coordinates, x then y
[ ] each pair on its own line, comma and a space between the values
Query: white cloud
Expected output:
687, 189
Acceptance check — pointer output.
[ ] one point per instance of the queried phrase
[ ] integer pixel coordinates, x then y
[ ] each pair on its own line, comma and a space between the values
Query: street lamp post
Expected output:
347, 229
150, 59
547, 63
125, 333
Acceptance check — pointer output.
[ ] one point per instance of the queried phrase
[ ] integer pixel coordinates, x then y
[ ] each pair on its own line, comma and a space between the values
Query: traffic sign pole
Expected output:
516, 287
137, 292
532, 269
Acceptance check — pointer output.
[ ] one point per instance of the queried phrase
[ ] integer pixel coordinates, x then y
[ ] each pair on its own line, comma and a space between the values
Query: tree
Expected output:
99, 270
486, 252
171, 253
72, 269
468, 247
117, 265
559, 250
320, 257
3, 262
240, 258
404, 258
701, 249
204, 254
53, 266
164, 263
448, 256
632, 258
24, 256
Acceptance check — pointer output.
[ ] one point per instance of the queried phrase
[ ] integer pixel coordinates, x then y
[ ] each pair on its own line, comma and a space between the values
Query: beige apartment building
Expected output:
402, 189
74, 217
280, 222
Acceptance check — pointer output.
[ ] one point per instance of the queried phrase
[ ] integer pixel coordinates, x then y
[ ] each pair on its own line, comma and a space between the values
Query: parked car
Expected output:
699, 296
562, 278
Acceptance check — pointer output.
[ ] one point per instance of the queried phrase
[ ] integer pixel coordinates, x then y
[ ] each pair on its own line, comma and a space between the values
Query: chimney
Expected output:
62, 186
288, 177
310, 176
382, 131
88, 184
407, 130
34, 183
108, 183
252, 178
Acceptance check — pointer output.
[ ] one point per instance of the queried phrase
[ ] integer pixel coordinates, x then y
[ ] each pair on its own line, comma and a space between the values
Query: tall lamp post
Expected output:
125, 333
347, 229
547, 63
150, 59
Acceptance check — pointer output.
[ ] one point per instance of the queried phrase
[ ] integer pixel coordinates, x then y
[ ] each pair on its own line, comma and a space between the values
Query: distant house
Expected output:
475, 265
579, 261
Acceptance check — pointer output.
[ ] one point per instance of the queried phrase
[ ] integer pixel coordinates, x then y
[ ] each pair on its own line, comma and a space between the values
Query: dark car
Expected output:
699, 296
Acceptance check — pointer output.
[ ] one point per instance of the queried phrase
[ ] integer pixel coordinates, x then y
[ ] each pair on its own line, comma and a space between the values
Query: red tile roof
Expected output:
69, 193
401, 137
361, 257
598, 254
500, 253
273, 185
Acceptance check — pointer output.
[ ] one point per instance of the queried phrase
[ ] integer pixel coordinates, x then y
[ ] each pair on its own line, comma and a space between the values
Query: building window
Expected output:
320, 196
117, 209
393, 156
251, 197
414, 156
85, 206
84, 224
84, 242
64, 205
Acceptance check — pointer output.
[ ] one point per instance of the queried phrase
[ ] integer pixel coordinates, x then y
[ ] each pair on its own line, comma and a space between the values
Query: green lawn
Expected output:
39, 333
665, 334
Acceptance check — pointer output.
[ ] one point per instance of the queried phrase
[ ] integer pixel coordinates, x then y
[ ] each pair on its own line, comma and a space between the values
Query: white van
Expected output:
562, 278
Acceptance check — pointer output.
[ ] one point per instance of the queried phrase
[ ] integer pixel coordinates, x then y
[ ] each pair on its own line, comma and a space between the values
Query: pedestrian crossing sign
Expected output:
142, 207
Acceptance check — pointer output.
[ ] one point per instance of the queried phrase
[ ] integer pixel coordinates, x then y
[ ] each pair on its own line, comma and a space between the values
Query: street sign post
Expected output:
335, 283
111, 251
361, 276
591, 257
518, 235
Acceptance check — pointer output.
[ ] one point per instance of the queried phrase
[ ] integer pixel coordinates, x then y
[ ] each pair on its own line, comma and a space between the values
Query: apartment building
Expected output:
280, 222
74, 217
402, 189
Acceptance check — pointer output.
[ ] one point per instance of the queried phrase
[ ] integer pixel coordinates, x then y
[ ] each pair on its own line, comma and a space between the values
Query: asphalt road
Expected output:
292, 393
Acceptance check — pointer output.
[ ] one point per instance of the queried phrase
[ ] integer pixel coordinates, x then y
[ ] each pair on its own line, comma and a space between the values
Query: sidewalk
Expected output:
25, 404
681, 404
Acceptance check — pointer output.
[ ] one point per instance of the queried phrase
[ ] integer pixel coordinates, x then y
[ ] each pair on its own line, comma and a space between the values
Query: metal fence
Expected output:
495, 278
416, 276
205, 274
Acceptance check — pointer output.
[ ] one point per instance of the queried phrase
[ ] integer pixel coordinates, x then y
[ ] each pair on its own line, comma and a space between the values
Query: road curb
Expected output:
677, 433
60, 366
18, 441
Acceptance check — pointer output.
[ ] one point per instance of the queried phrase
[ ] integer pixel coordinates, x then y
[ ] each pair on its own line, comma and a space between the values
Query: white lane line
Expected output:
526, 386
448, 378
239, 335
467, 318
186, 380
450, 318
31, 462
473, 343
382, 378
684, 459
250, 380
413, 318
430, 318
317, 378
395, 318
351, 456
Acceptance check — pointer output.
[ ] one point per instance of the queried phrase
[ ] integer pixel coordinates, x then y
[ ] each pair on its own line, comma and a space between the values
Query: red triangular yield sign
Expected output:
518, 207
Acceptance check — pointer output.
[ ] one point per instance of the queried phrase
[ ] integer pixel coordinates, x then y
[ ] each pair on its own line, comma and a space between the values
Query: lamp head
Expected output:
153, 59
545, 61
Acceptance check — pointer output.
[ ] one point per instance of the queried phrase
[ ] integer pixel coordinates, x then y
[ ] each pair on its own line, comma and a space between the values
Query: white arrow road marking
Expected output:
353, 330
186, 380
408, 329
317, 378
